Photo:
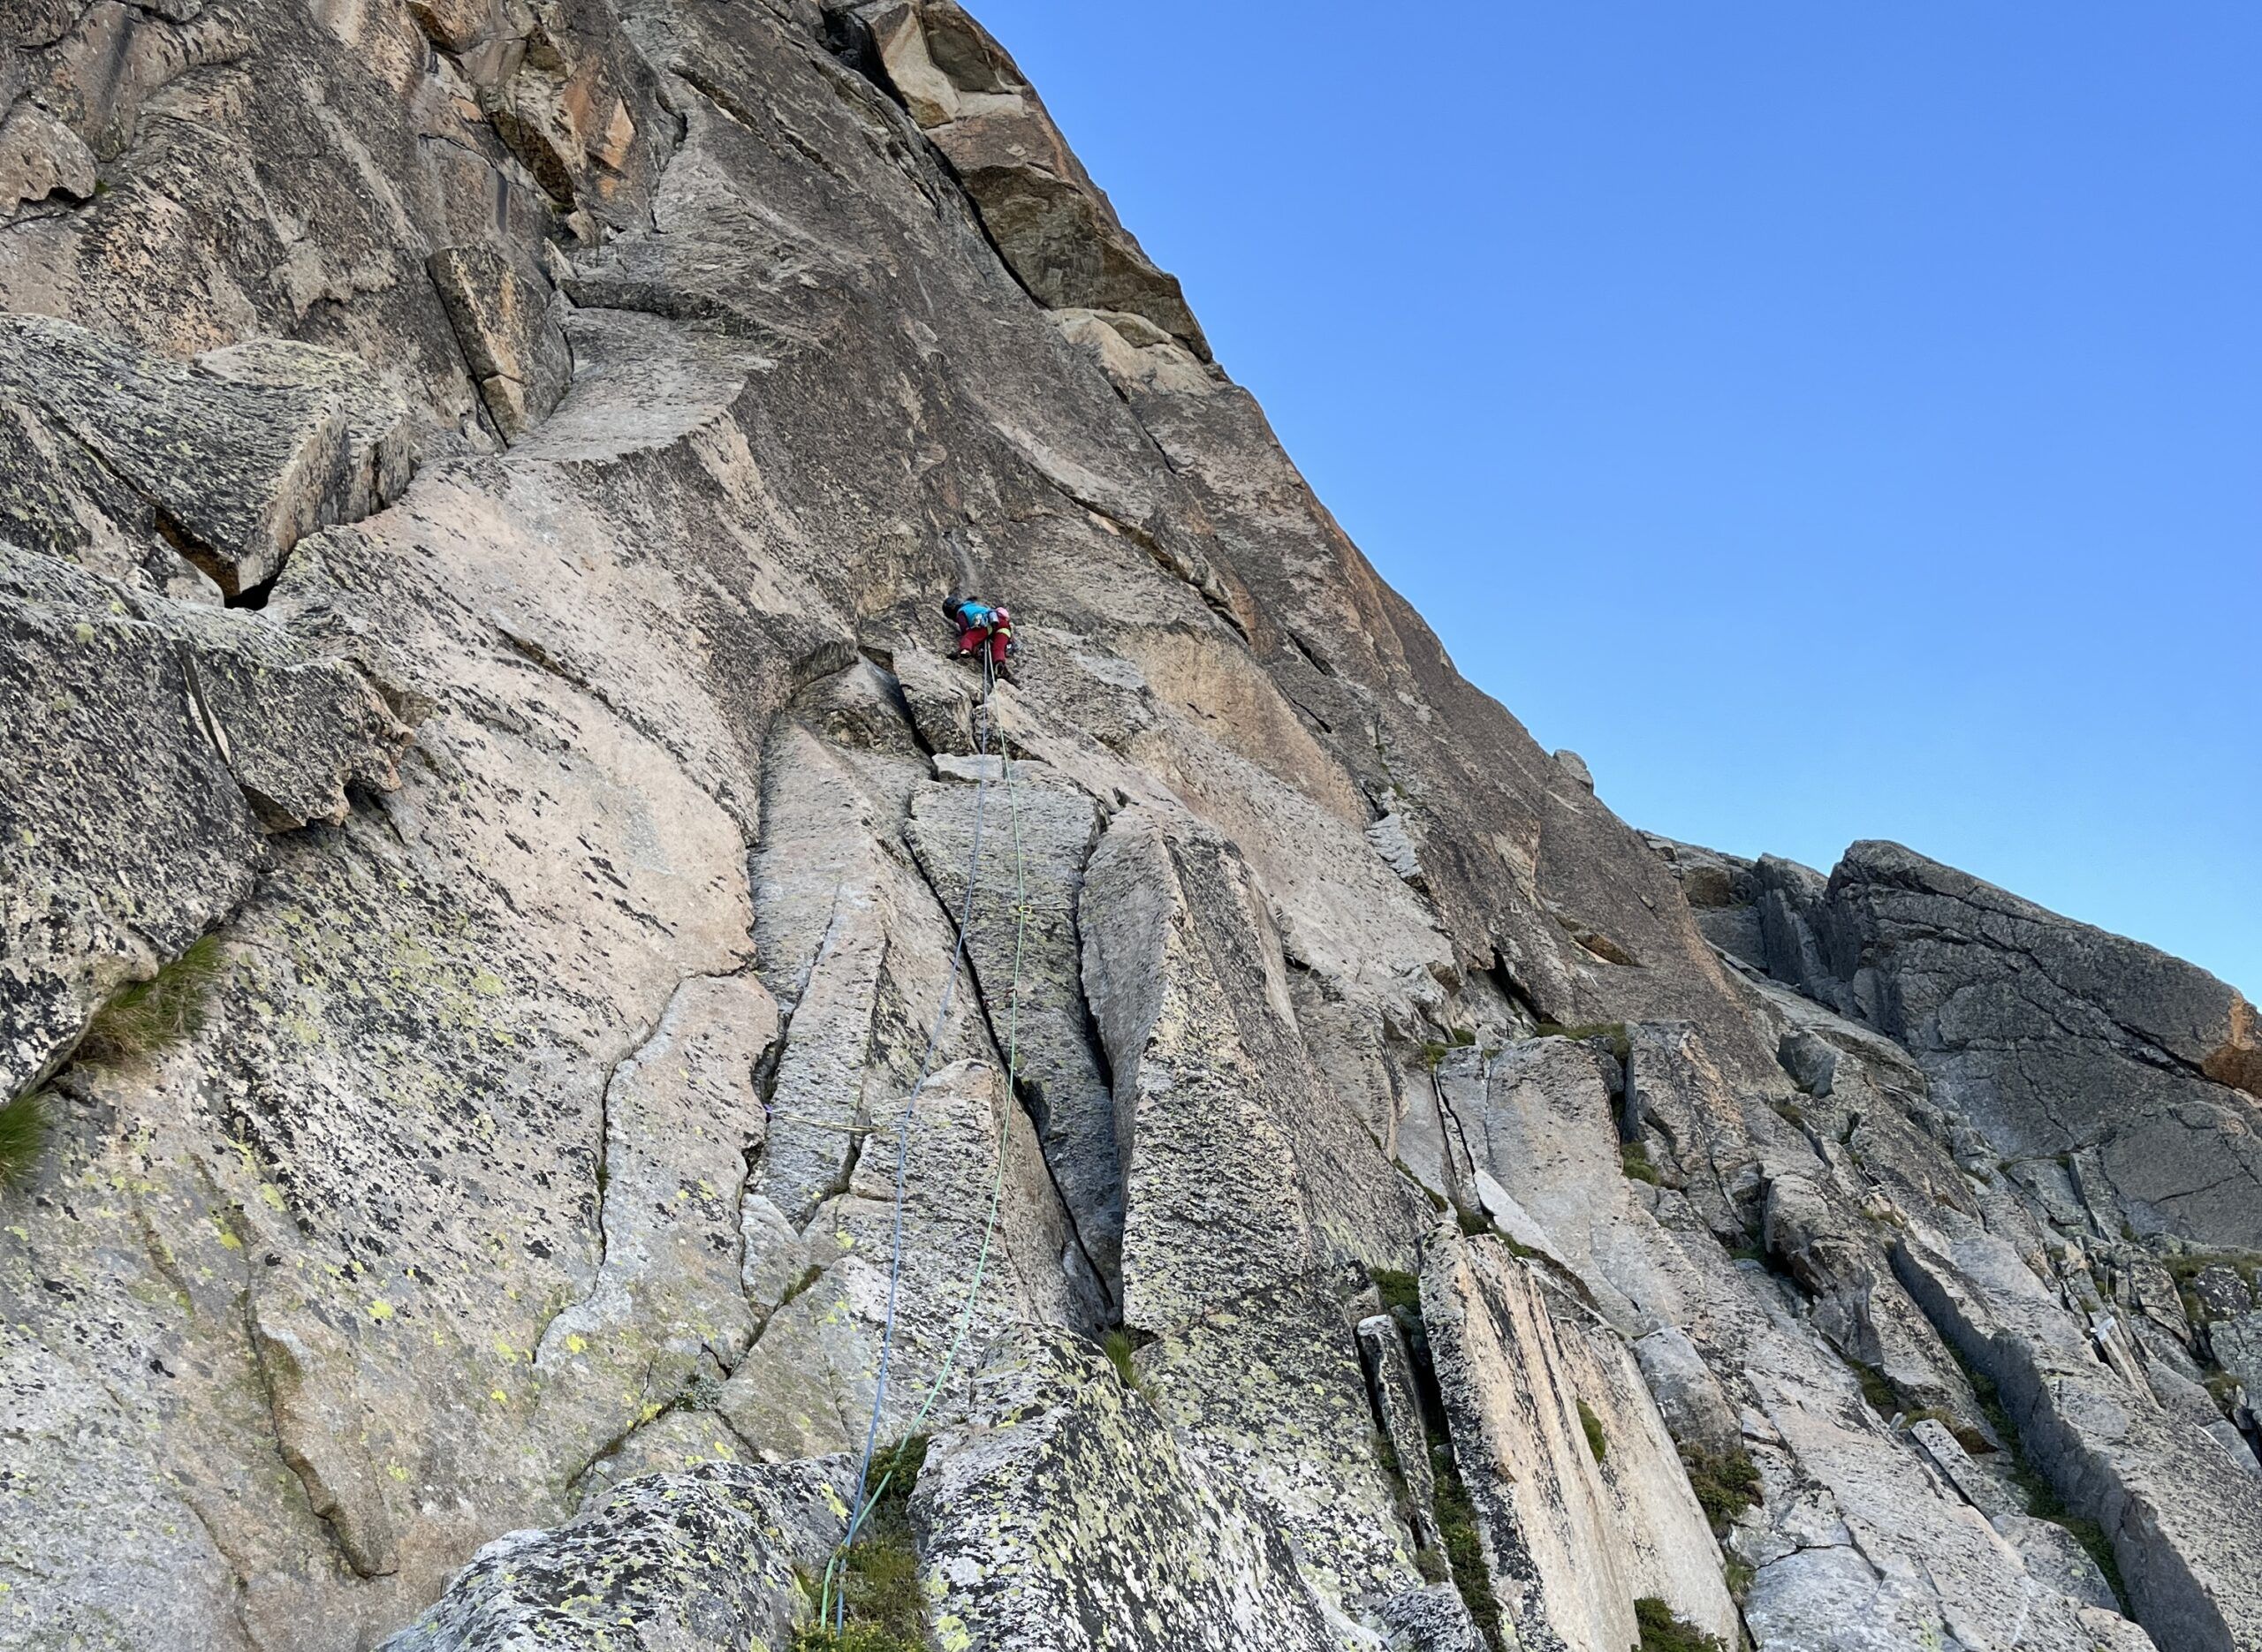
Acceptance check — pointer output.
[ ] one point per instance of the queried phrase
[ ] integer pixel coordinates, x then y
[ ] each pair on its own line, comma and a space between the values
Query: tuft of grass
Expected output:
152, 1015
809, 1277
1471, 1222
1738, 1575
887, 1612
1436, 1200
1663, 1632
23, 1124
1880, 1393
1465, 1549
857, 1636
2042, 1499
1725, 1483
1397, 1289
1598, 1442
1974, 1443
1634, 1159
1614, 1033
1119, 1348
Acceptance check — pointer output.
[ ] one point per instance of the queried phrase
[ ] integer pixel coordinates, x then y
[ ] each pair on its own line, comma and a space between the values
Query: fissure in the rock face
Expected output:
484, 817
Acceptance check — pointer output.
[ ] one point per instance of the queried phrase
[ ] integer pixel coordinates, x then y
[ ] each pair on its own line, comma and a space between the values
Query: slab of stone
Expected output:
512, 336
1571, 1541
703, 1561
1026, 956
1064, 1516
121, 451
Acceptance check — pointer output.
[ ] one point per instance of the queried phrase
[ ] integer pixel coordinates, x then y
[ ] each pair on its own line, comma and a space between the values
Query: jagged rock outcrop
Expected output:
476, 478
2137, 1073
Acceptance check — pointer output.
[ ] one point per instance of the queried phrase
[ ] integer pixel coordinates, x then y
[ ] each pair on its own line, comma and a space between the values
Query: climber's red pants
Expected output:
978, 639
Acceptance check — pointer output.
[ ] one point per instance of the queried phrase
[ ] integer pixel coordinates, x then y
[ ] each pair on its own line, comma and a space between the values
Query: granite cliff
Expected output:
487, 830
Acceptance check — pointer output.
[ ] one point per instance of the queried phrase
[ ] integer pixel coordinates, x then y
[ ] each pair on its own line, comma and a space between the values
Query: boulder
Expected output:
708, 1558
128, 458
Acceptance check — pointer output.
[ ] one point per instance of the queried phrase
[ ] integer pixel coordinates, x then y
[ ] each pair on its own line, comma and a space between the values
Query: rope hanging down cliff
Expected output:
831, 1604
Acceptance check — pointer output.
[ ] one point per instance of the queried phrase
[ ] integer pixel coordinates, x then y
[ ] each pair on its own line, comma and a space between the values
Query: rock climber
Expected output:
984, 633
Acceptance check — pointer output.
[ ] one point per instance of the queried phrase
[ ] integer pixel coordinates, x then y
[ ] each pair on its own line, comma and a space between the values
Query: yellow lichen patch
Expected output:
381, 1310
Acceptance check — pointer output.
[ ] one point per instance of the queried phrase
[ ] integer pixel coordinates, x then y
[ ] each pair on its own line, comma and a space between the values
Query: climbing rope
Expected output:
833, 1605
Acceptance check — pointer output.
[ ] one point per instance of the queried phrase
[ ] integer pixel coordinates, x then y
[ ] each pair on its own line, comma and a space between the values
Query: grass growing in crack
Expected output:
880, 1580
151, 1015
702, 1391
2042, 1499
23, 1124
1598, 1442
1119, 1348
1634, 1159
1738, 1573
1612, 1032
1880, 1393
855, 1638
1436, 1200
1428, 1561
1725, 1483
1663, 1632
1465, 1549
1397, 1289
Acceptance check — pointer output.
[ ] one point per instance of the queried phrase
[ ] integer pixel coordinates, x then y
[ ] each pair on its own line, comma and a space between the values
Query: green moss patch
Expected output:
1634, 1159
1598, 1442
879, 1575
1662, 1632
1725, 1483
1465, 1550
1397, 1289
1613, 1033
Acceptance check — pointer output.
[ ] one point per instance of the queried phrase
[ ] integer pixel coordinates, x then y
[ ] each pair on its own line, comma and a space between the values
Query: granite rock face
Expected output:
477, 480
2055, 1039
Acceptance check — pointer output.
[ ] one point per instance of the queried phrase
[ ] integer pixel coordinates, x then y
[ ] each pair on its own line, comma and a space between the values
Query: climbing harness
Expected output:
833, 1605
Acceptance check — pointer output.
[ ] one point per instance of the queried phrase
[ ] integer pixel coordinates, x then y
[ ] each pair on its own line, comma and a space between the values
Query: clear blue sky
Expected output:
1833, 421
